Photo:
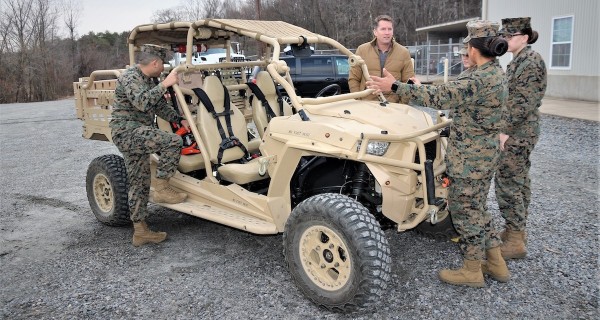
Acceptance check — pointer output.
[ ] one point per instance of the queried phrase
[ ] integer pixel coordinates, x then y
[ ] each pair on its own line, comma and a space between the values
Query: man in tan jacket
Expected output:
382, 52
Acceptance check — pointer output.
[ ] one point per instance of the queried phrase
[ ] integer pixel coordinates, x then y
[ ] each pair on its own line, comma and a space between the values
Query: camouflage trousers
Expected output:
136, 146
513, 185
468, 210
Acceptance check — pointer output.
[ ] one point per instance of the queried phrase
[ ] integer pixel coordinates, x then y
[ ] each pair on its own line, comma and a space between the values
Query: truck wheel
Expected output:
442, 230
336, 252
106, 186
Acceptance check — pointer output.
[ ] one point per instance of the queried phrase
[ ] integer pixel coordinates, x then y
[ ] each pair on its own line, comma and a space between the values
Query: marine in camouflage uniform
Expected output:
477, 103
468, 65
526, 75
137, 100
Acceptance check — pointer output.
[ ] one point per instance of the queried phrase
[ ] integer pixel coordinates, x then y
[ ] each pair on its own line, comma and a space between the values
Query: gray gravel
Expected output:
58, 262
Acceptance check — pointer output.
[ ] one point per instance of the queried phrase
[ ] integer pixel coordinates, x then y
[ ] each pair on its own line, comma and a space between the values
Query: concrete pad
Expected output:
571, 108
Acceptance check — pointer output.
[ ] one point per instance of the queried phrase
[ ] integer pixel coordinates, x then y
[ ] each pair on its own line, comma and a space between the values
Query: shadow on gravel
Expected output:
55, 203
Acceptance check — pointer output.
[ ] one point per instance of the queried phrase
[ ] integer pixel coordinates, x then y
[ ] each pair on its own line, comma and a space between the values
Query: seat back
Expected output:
207, 124
259, 113
190, 80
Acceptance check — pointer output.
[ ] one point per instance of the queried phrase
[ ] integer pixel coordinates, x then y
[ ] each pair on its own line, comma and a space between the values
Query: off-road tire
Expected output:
106, 186
351, 237
442, 230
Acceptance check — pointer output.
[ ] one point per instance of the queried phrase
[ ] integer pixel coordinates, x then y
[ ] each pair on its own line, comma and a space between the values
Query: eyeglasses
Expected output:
509, 36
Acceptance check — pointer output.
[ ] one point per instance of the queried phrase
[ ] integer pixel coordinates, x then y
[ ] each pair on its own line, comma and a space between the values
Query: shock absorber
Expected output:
360, 180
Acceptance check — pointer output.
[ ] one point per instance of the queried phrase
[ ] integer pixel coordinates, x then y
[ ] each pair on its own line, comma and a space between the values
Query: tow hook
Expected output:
433, 217
440, 205
263, 166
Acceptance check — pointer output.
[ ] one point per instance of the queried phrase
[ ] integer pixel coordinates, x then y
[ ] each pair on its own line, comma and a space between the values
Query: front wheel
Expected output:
336, 252
442, 230
106, 186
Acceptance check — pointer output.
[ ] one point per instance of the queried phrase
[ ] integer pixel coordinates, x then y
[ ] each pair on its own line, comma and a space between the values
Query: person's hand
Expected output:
171, 79
381, 84
503, 138
415, 80
185, 124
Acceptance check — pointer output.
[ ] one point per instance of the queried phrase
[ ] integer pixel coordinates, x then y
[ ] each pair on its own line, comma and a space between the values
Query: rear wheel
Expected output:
106, 186
336, 252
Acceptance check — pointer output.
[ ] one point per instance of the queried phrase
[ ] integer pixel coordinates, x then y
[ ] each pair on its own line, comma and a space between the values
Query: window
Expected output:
291, 62
317, 66
562, 42
342, 65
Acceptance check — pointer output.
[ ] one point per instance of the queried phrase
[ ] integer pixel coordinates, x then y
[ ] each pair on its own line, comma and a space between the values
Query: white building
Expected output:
569, 41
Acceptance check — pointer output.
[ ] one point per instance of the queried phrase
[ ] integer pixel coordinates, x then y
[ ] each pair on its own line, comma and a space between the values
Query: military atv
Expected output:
327, 172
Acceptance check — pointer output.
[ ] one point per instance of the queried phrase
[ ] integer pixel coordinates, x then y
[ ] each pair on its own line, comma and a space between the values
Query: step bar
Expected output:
223, 216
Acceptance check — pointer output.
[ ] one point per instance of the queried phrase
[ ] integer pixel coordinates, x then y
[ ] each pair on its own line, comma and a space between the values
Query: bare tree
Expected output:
71, 11
168, 15
19, 36
44, 72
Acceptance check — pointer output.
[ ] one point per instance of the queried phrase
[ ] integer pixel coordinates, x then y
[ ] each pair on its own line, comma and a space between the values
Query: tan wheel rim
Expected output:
103, 193
325, 258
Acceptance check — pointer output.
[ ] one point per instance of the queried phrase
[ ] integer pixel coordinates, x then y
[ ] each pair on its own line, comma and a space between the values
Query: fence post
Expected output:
446, 70
428, 57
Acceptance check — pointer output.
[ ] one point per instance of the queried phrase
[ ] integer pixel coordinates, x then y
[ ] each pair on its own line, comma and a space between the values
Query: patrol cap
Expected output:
515, 25
464, 51
155, 51
481, 29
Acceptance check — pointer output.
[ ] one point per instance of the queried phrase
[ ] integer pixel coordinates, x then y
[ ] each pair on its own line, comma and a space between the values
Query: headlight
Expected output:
376, 148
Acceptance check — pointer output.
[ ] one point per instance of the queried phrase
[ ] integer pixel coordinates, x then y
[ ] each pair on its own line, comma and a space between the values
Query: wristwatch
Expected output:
395, 86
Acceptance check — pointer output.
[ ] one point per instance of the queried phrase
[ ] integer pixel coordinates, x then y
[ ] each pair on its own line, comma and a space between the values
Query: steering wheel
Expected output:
334, 87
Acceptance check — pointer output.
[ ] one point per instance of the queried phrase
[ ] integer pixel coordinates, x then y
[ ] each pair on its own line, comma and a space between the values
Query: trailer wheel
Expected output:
336, 252
106, 186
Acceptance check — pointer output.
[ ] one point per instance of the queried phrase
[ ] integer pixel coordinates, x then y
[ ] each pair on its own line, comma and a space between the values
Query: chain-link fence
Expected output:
429, 58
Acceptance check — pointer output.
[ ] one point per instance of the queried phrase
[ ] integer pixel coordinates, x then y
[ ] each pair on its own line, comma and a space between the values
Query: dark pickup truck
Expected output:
312, 74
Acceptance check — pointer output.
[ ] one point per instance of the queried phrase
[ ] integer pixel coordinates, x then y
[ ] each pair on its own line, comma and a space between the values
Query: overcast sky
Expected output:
118, 15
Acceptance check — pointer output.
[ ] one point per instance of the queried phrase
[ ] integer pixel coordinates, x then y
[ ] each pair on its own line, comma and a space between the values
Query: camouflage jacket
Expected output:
466, 73
137, 100
526, 75
477, 103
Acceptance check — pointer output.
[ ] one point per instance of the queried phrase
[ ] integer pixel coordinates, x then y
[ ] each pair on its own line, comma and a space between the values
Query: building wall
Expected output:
581, 81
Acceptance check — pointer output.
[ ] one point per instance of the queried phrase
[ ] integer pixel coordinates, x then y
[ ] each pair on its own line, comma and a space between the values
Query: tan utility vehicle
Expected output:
327, 172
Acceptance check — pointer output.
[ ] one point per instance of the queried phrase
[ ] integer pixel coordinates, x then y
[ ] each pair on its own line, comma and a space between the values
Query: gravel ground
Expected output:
58, 262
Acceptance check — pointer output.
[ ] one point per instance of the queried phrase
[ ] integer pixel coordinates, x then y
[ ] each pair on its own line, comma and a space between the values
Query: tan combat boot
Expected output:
495, 266
514, 246
142, 234
504, 236
163, 193
469, 275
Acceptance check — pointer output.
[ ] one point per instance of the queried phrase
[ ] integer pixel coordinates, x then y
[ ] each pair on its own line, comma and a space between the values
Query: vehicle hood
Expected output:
371, 117
343, 123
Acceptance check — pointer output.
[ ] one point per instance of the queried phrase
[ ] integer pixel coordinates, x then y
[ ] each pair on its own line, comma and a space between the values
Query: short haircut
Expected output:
383, 17
145, 58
